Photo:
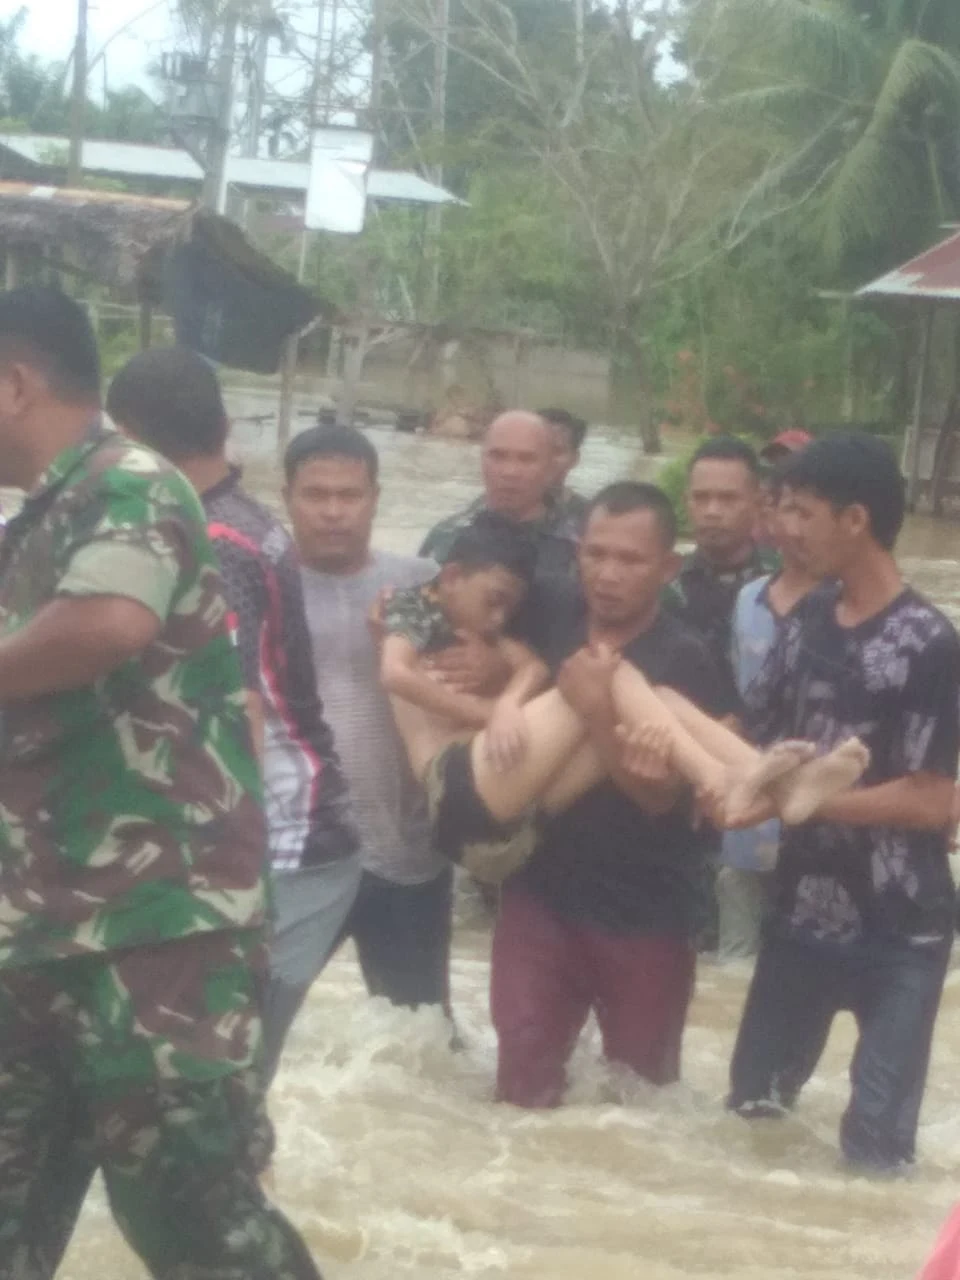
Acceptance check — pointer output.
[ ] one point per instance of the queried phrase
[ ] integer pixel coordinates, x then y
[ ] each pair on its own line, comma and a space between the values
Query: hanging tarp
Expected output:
231, 303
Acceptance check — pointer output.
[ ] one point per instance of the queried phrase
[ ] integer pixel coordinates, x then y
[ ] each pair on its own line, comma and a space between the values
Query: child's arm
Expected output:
402, 675
529, 674
506, 739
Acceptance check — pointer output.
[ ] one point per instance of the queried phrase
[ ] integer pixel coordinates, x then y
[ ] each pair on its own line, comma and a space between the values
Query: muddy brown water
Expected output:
395, 1162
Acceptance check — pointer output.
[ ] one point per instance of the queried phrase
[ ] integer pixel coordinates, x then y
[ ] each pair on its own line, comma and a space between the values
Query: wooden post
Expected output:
146, 324
357, 338
916, 434
78, 100
288, 383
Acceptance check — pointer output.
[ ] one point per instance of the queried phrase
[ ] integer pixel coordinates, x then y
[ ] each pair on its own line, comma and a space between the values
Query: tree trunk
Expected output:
629, 394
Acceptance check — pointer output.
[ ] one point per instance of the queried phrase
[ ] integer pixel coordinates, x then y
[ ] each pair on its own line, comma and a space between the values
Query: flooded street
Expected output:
395, 1163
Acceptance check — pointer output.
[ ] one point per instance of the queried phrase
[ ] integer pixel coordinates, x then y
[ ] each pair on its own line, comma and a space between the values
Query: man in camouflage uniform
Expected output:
132, 888
519, 473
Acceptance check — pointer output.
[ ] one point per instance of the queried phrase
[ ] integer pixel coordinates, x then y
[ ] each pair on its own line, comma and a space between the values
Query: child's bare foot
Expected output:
711, 794
818, 781
782, 759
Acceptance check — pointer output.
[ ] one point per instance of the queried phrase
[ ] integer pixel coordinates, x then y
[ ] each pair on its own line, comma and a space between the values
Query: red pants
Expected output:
547, 974
944, 1262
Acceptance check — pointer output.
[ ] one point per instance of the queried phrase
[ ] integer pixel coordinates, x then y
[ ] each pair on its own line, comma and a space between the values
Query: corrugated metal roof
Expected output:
133, 159
934, 274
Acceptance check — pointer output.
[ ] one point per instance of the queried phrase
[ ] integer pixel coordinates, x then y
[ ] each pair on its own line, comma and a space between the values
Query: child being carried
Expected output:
492, 764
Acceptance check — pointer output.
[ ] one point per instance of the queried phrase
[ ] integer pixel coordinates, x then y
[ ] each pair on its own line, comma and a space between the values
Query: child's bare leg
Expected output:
554, 733
580, 774
638, 703
714, 736
727, 772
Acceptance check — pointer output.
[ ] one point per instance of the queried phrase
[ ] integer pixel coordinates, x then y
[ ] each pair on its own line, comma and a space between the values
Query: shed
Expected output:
928, 282
227, 300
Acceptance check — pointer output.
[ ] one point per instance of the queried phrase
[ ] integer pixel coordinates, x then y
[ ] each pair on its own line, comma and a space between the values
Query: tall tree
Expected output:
867, 94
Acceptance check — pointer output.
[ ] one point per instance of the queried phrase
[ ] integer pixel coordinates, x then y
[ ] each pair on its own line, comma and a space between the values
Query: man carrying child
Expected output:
598, 776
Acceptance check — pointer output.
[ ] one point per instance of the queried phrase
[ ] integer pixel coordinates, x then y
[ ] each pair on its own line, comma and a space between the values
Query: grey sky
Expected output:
51, 27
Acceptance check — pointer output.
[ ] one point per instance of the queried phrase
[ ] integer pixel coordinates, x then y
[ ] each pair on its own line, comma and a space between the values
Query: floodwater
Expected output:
394, 1161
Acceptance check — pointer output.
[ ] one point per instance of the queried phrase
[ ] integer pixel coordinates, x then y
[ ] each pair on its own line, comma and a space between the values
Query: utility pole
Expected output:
215, 177
78, 102
438, 120
257, 88
378, 58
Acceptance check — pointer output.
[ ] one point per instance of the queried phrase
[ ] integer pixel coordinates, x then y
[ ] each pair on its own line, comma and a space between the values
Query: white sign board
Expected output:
337, 190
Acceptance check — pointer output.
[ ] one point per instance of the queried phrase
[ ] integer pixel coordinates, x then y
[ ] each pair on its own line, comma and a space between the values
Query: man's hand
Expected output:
470, 666
586, 680
375, 615
645, 753
506, 736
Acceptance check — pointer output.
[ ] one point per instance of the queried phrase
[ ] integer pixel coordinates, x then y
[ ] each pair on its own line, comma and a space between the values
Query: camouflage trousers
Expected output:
142, 1064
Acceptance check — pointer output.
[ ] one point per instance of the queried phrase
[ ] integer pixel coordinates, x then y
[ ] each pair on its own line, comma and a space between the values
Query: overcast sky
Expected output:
51, 27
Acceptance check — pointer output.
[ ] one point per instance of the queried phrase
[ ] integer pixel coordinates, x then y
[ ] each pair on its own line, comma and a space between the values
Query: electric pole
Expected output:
78, 101
438, 120
215, 176
257, 89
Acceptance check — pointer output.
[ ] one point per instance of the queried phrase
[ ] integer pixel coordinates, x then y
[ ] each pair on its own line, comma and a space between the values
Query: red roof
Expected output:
934, 274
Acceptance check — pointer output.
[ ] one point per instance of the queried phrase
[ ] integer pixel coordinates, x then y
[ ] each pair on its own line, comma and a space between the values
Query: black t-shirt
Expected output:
604, 862
894, 682
704, 598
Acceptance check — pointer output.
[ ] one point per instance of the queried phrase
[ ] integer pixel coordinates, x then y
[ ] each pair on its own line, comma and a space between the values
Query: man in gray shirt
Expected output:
401, 919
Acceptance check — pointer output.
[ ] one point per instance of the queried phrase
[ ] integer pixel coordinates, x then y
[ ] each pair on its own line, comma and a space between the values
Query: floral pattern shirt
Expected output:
894, 682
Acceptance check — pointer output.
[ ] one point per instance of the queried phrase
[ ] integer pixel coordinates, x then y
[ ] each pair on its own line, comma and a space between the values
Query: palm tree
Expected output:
867, 96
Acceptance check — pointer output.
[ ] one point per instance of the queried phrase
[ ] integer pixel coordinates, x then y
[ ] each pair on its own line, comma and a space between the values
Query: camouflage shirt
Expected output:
555, 577
556, 536
415, 614
129, 809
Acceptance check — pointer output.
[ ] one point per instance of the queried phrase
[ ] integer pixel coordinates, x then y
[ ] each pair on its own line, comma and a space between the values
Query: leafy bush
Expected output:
672, 479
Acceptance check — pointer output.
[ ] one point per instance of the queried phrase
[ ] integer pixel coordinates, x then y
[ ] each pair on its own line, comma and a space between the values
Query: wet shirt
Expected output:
415, 614
387, 802
308, 811
555, 578
894, 682
129, 809
705, 598
604, 862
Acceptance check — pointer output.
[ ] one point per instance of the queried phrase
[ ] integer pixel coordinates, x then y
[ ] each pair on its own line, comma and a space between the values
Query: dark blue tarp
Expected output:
231, 304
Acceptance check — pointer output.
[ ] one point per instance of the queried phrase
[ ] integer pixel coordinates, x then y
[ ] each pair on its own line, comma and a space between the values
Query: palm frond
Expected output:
921, 75
874, 194
828, 43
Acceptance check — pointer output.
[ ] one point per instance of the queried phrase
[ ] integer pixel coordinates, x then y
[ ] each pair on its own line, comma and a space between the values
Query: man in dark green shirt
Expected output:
132, 880
723, 505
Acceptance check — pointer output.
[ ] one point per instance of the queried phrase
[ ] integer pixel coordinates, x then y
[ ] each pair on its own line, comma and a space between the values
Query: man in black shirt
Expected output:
601, 916
864, 905
723, 506
723, 501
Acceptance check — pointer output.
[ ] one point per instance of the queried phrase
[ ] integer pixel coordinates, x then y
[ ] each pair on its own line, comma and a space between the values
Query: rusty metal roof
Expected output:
934, 274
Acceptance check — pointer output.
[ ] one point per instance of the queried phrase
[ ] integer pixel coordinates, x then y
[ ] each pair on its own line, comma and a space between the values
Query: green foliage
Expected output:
34, 97
672, 479
118, 344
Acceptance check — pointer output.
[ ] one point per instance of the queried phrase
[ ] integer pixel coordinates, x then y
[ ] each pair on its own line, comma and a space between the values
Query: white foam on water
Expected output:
395, 1162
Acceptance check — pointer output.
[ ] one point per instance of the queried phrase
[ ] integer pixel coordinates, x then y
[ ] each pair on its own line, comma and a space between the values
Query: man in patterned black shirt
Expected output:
864, 908
170, 399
